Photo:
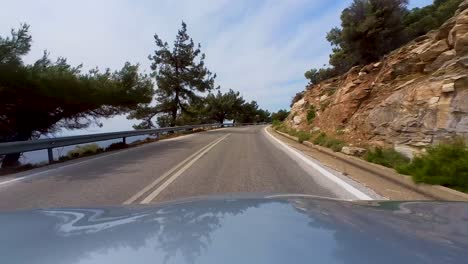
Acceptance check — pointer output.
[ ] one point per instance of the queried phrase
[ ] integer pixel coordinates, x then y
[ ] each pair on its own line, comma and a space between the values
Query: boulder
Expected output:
406, 150
315, 129
297, 120
353, 151
448, 87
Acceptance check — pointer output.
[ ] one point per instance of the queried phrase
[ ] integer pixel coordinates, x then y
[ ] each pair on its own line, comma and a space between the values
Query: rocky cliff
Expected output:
416, 96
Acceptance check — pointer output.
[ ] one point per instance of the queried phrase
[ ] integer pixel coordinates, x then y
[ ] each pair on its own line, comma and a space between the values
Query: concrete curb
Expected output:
435, 192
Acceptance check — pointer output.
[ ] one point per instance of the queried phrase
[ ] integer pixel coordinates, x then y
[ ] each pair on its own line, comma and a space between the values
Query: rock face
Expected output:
416, 96
353, 151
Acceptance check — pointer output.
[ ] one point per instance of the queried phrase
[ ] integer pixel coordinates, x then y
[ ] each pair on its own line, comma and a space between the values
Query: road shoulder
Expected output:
382, 187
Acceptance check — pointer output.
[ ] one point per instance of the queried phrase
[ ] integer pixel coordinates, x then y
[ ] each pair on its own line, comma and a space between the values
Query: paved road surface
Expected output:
229, 160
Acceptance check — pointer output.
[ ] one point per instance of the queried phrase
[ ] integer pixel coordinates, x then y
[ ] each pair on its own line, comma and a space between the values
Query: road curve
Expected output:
223, 161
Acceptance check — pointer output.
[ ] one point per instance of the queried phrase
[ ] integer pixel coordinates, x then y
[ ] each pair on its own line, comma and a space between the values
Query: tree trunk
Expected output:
174, 110
12, 159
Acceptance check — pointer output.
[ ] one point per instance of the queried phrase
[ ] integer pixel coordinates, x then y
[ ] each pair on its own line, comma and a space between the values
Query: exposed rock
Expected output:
463, 61
434, 50
443, 58
297, 120
353, 151
433, 100
315, 129
416, 96
463, 6
461, 44
444, 30
448, 88
406, 150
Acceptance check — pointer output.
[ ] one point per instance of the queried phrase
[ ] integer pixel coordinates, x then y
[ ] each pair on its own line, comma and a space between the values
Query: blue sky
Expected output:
258, 47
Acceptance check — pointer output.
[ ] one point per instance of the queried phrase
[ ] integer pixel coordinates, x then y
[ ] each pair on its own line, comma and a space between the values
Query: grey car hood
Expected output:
275, 229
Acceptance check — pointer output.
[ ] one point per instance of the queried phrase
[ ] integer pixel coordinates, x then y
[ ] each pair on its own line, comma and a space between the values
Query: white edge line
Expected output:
163, 186
357, 193
167, 173
88, 160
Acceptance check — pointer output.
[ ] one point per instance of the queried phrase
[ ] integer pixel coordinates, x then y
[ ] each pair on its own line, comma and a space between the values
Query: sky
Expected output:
260, 48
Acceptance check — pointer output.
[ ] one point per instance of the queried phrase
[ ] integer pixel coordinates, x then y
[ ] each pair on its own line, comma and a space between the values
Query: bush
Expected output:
296, 98
387, 157
325, 141
276, 123
311, 114
443, 164
84, 150
116, 146
302, 136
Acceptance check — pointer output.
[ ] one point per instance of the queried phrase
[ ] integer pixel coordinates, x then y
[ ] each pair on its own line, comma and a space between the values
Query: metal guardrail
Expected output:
51, 143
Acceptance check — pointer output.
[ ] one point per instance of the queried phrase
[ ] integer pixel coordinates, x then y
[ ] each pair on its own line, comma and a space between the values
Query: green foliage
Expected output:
311, 113
419, 21
84, 150
47, 96
443, 164
250, 113
325, 141
302, 136
181, 75
224, 106
372, 28
369, 29
317, 75
281, 115
387, 157
276, 123
296, 98
117, 146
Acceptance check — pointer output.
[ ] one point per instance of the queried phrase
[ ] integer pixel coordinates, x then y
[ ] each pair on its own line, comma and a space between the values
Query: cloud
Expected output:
261, 48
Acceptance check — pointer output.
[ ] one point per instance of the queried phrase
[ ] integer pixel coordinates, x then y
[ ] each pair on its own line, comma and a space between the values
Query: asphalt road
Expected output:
224, 161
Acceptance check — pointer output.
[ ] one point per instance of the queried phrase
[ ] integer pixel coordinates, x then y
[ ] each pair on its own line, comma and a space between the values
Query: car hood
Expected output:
271, 229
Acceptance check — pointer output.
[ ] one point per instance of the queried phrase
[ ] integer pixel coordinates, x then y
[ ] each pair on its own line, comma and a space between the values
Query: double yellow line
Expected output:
171, 174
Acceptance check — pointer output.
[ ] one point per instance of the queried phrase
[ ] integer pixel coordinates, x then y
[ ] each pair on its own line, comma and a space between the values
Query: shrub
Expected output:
302, 136
443, 164
116, 146
276, 123
325, 141
387, 157
311, 114
84, 150
296, 98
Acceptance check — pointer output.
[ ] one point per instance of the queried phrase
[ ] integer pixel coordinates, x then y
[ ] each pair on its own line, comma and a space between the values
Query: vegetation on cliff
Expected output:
371, 29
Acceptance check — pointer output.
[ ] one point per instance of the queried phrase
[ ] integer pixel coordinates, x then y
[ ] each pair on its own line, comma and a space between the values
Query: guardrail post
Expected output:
124, 140
50, 154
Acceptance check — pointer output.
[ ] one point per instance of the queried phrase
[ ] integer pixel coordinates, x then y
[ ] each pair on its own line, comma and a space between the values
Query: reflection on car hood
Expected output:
274, 229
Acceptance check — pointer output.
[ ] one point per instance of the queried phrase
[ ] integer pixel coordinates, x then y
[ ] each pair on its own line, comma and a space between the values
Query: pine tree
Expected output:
224, 106
180, 75
48, 96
